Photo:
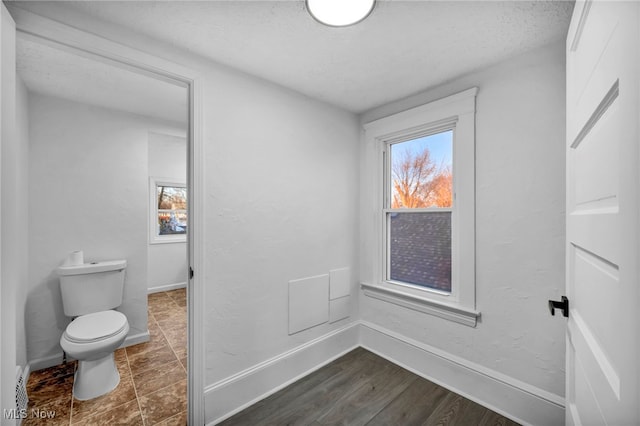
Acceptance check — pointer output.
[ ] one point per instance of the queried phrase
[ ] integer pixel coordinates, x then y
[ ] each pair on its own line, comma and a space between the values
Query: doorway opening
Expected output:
115, 128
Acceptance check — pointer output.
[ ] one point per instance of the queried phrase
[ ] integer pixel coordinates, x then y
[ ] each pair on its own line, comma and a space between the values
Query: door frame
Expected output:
8, 288
61, 36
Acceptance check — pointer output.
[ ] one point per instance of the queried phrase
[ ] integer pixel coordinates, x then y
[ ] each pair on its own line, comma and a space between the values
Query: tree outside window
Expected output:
172, 210
420, 201
168, 207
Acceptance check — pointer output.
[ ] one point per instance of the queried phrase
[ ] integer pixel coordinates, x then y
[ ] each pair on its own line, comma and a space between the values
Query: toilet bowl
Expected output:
90, 293
92, 340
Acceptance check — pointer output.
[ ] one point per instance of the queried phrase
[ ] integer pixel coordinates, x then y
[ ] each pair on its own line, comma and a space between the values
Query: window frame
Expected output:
457, 113
387, 210
154, 237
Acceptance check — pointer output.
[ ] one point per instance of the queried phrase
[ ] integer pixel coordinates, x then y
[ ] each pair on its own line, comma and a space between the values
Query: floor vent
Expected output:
22, 400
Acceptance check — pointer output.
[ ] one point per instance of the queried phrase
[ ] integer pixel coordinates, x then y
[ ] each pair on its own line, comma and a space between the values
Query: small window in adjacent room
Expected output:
168, 207
418, 206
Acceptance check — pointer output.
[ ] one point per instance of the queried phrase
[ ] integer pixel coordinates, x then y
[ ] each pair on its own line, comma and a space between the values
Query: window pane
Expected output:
172, 197
172, 222
420, 249
421, 172
172, 209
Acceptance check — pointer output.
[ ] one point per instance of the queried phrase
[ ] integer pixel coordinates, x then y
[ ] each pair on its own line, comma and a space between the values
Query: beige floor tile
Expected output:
61, 370
52, 412
151, 380
177, 337
177, 420
45, 391
164, 403
175, 320
173, 314
181, 353
154, 331
162, 306
122, 363
154, 298
125, 414
151, 359
178, 295
120, 354
156, 342
125, 392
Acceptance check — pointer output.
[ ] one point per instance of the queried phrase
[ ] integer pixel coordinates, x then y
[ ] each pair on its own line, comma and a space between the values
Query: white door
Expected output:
7, 289
603, 359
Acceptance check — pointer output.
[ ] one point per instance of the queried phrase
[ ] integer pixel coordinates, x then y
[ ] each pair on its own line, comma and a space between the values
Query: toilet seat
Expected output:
95, 327
92, 340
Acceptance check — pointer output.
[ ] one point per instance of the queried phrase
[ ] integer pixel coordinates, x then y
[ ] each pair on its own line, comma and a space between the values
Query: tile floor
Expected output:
153, 378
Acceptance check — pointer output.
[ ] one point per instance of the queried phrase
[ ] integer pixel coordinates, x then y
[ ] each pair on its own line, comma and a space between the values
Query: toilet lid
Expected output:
96, 326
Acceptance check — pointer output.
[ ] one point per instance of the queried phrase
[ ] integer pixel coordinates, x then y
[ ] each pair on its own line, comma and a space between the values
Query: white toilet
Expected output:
90, 292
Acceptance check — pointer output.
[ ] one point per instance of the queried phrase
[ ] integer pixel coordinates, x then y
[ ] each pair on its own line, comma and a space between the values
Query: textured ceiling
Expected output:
58, 73
402, 48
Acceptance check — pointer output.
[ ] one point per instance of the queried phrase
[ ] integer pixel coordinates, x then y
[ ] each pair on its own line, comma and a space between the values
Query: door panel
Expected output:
595, 34
602, 213
595, 186
585, 399
595, 276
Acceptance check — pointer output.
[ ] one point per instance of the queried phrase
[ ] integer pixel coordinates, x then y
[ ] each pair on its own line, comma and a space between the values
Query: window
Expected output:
423, 164
418, 205
168, 207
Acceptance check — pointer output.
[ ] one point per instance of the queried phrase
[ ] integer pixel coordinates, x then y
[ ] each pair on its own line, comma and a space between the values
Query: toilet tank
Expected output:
91, 287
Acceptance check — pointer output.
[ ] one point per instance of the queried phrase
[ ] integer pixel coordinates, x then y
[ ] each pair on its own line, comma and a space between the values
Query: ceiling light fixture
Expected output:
339, 13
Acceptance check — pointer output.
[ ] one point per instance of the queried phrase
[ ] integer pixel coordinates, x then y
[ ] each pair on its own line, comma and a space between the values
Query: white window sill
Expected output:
169, 240
450, 312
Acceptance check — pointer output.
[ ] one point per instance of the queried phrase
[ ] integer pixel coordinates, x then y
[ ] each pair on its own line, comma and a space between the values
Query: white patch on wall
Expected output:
308, 302
339, 283
339, 309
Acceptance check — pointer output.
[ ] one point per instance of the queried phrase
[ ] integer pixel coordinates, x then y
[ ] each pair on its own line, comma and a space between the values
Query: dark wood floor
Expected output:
362, 388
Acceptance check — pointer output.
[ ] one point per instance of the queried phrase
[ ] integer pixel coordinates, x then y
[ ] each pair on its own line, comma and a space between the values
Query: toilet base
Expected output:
95, 378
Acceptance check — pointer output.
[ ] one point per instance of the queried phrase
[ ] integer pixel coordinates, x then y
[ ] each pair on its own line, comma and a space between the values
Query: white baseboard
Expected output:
136, 338
235, 393
166, 287
519, 401
56, 359
45, 362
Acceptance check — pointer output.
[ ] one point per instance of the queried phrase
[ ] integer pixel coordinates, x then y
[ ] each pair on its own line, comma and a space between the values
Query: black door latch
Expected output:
563, 304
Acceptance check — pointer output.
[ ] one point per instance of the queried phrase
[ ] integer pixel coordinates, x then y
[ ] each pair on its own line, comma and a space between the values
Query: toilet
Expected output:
90, 293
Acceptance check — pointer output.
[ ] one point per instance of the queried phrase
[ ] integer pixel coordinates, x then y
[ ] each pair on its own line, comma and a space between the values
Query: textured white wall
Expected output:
88, 190
167, 159
281, 203
14, 224
19, 223
8, 174
519, 224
